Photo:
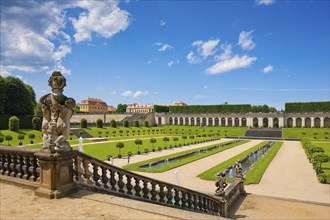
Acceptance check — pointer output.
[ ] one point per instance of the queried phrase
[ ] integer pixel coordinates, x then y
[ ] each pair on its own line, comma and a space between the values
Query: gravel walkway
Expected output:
290, 175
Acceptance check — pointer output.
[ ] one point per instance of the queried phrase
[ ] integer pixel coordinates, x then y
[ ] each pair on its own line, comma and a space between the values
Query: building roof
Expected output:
93, 101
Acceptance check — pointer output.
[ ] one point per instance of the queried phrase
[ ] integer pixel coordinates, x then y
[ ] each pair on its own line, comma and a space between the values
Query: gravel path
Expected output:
290, 175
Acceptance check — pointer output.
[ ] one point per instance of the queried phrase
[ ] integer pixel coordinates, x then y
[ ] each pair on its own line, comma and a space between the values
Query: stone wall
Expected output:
91, 118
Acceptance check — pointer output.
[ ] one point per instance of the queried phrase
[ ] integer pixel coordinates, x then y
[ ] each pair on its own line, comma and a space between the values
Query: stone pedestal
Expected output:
56, 175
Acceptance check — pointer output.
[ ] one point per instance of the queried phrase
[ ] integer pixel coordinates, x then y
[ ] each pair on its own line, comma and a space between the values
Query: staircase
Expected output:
273, 133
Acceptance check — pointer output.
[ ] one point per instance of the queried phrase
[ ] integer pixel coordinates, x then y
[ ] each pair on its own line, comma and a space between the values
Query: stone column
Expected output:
260, 122
293, 122
303, 122
321, 122
270, 122
312, 122
56, 174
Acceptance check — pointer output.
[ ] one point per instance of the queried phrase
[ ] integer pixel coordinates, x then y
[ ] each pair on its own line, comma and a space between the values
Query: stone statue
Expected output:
57, 111
239, 171
221, 185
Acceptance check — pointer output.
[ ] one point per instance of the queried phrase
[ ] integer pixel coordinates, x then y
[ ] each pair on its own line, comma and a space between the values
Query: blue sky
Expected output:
200, 52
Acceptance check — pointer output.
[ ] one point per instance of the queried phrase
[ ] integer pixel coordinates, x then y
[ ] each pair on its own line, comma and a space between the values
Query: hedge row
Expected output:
307, 107
211, 108
159, 108
25, 121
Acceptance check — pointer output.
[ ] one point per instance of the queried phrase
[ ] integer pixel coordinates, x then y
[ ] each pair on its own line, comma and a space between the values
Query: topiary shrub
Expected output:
20, 137
113, 123
322, 178
83, 123
146, 150
159, 148
8, 138
99, 123
31, 137
36, 123
13, 124
1, 139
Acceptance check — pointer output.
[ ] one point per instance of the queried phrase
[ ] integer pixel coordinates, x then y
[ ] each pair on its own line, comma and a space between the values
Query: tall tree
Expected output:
19, 98
121, 108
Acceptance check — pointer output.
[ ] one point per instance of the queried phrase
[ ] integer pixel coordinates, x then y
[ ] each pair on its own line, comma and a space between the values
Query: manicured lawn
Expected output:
25, 132
102, 150
254, 175
309, 133
180, 162
210, 173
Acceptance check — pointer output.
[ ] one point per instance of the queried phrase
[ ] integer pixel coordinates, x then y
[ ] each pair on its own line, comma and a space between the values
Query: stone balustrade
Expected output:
45, 172
19, 163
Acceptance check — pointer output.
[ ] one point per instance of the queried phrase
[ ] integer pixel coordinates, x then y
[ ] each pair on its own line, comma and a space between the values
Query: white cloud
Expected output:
245, 40
268, 69
163, 47
173, 62
229, 64
127, 93
265, 2
113, 93
206, 48
33, 37
227, 52
162, 23
136, 94
104, 18
152, 61
192, 58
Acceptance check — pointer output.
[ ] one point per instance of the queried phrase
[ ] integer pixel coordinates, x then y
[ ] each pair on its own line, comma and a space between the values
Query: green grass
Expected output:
210, 173
309, 133
180, 162
326, 148
25, 132
102, 150
254, 175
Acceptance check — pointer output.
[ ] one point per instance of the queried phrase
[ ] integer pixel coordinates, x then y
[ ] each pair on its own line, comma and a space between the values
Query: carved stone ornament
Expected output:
57, 111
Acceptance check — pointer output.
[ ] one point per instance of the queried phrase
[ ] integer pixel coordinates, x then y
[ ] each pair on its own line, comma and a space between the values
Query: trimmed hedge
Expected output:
159, 108
211, 108
25, 121
307, 107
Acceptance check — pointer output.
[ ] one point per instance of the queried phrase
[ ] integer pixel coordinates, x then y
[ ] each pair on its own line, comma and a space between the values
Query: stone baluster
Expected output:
26, 168
169, 195
121, 183
113, 180
104, 178
96, 175
137, 188
145, 189
161, 193
189, 200
19, 166
184, 200
129, 185
153, 191
176, 197
13, 166
2, 163
195, 202
7, 164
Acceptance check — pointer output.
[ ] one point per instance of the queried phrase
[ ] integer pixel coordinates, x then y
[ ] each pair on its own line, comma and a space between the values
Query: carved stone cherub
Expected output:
57, 111
221, 185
